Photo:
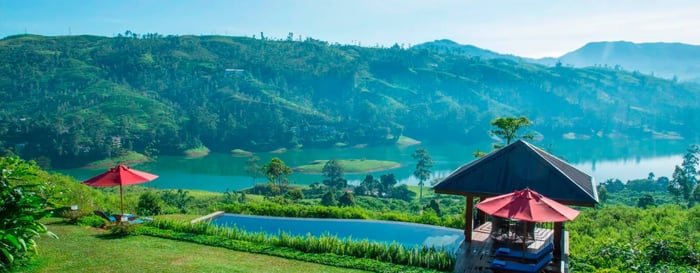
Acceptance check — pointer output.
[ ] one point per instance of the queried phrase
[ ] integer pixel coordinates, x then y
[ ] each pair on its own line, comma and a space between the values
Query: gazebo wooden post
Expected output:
469, 218
558, 236
480, 215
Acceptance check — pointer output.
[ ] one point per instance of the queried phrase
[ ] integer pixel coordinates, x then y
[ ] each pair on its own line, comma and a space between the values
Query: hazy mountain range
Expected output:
667, 60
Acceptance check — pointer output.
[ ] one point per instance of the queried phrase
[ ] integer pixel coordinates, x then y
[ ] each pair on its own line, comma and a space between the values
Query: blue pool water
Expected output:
407, 234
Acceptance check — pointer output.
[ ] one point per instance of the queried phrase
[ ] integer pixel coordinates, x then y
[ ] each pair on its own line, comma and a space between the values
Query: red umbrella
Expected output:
527, 205
119, 176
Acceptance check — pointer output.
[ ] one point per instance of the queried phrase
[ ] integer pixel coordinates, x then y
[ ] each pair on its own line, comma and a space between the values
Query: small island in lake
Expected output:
407, 141
350, 166
197, 152
240, 152
127, 158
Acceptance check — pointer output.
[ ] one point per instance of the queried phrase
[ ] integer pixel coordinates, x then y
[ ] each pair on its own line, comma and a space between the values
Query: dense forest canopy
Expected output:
71, 99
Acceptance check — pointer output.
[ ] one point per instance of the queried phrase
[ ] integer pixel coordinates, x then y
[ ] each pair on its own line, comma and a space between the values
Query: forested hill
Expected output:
76, 98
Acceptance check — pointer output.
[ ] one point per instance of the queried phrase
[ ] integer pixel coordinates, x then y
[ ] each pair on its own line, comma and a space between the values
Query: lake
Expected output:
407, 234
603, 159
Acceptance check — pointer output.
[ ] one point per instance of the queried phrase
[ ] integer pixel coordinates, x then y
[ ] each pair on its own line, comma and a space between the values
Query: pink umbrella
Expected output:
527, 205
119, 176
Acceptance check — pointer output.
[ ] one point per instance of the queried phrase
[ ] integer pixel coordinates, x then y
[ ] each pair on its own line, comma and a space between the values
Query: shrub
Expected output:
73, 216
346, 200
294, 194
328, 199
92, 221
149, 204
122, 229
180, 199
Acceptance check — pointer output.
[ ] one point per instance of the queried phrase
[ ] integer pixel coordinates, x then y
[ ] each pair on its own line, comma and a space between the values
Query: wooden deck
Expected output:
475, 256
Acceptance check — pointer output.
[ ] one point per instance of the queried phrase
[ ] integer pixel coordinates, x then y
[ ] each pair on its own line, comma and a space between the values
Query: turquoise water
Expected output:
603, 159
407, 234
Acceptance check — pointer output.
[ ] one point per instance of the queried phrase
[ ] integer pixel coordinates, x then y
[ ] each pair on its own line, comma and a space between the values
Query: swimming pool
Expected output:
407, 234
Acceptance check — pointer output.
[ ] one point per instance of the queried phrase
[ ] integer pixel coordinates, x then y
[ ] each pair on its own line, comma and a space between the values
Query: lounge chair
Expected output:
513, 254
501, 266
113, 219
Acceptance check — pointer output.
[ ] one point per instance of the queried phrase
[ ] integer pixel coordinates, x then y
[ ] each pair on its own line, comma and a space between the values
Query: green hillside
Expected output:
74, 99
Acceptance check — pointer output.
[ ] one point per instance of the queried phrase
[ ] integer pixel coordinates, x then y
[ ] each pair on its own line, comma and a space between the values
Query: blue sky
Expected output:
530, 28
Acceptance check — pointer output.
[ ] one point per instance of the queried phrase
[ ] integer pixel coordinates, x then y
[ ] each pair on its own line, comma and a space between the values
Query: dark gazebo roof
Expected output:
517, 166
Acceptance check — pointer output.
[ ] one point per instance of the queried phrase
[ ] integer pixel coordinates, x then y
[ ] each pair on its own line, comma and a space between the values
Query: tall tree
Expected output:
507, 128
694, 196
423, 166
276, 171
252, 168
368, 186
690, 163
388, 181
334, 171
602, 193
678, 184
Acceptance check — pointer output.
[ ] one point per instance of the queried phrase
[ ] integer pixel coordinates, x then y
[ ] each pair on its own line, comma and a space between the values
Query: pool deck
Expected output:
476, 256
207, 217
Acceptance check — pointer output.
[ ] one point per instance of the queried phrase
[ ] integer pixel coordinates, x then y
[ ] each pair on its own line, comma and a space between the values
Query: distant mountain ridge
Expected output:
449, 46
666, 60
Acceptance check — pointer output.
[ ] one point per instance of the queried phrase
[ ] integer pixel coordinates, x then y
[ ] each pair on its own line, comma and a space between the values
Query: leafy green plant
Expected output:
630, 239
149, 204
180, 199
294, 195
73, 216
122, 229
21, 206
328, 199
92, 221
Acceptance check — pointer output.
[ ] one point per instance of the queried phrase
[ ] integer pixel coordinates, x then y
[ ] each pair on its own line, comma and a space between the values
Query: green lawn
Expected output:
84, 249
350, 165
427, 191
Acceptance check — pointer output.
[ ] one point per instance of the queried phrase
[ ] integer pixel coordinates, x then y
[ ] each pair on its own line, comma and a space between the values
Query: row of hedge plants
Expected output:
267, 208
428, 258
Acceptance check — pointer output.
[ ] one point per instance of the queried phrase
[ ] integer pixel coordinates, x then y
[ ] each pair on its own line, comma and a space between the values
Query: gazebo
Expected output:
514, 167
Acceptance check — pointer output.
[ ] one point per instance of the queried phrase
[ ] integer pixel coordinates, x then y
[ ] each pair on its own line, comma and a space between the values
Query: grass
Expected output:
130, 158
207, 195
81, 249
350, 165
427, 191
178, 217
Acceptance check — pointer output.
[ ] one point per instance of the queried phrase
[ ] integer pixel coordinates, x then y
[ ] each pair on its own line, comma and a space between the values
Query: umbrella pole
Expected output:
525, 238
121, 199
